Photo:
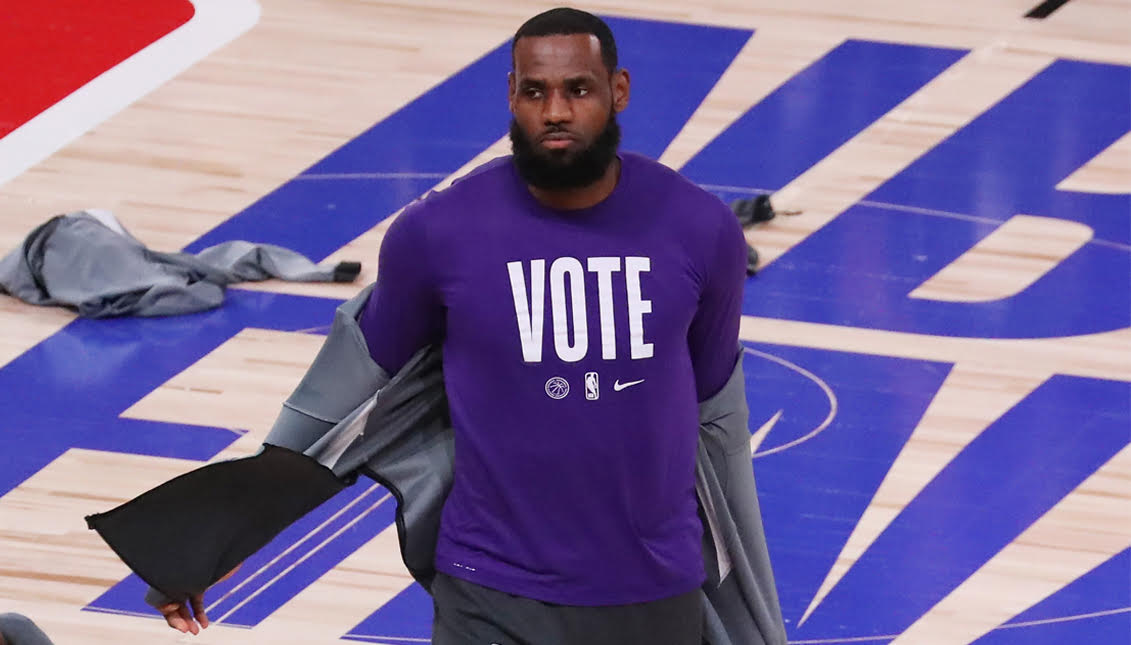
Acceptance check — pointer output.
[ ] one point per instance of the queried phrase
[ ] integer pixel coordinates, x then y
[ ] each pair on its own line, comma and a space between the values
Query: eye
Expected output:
580, 90
532, 93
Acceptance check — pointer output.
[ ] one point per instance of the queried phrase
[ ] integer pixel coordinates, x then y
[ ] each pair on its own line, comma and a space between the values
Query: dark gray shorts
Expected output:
468, 614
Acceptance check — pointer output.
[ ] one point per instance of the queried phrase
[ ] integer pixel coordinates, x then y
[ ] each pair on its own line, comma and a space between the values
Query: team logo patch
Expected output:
557, 388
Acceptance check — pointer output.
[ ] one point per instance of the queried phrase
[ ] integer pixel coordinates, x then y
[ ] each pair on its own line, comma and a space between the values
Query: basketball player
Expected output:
586, 301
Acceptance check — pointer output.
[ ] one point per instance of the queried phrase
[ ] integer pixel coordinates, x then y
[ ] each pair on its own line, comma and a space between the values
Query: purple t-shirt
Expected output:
576, 346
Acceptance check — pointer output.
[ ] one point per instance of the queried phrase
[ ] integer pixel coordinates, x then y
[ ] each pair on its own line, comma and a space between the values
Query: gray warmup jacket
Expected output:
350, 415
87, 261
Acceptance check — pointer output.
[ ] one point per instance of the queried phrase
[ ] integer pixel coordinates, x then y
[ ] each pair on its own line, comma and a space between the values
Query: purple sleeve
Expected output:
713, 335
403, 313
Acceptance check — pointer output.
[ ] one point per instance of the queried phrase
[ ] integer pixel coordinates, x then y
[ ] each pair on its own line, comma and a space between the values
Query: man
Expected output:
586, 301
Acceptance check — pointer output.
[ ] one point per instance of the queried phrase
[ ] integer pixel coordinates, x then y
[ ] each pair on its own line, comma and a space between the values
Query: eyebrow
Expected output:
572, 80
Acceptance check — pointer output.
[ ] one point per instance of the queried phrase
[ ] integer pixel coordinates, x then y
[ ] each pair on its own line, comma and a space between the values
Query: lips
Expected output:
557, 139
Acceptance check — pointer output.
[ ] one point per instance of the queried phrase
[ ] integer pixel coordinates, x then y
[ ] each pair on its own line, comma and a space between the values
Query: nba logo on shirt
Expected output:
592, 390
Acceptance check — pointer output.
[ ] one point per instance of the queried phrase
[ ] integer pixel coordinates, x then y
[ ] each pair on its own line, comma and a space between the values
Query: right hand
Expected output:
188, 616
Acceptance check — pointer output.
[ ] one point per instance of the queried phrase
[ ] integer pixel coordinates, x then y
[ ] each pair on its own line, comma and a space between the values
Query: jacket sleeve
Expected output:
340, 379
740, 594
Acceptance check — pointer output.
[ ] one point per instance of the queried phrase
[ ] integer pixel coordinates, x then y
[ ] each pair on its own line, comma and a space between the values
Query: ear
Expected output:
621, 86
510, 91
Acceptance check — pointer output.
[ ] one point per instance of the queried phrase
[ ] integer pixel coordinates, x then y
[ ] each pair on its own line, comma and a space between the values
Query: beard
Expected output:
559, 169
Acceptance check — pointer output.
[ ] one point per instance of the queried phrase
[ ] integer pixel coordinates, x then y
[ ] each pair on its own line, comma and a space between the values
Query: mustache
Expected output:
555, 129
557, 170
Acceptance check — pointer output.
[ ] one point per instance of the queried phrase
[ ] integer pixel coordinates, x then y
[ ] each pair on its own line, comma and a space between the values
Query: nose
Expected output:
557, 108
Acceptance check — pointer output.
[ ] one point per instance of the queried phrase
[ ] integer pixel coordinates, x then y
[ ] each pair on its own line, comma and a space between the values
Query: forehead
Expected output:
558, 56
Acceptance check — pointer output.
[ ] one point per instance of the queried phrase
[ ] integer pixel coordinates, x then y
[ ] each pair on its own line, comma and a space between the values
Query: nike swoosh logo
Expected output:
618, 386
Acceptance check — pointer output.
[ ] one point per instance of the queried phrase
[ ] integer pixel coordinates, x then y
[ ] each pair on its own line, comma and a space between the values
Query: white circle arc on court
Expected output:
812, 377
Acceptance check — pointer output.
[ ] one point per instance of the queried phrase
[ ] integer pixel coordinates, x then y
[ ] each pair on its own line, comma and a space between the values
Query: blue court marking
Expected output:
813, 404
1104, 629
815, 112
407, 616
1001, 483
370, 520
1010, 159
812, 495
673, 67
398, 159
294, 548
68, 391
1107, 588
859, 268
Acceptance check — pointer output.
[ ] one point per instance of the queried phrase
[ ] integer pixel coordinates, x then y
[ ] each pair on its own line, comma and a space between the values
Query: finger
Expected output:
174, 620
197, 601
184, 613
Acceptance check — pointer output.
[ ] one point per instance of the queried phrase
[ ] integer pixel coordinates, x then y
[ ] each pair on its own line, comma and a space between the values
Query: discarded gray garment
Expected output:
87, 261
20, 630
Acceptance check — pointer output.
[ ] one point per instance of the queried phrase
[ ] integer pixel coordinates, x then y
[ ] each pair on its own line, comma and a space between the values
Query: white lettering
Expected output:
530, 312
604, 268
569, 310
637, 306
570, 353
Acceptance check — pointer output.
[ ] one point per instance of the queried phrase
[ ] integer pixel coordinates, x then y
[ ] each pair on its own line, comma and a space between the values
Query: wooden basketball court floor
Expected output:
938, 346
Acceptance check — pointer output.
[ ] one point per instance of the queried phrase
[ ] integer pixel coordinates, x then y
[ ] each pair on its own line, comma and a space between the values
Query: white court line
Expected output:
750, 190
1031, 623
294, 546
123, 612
214, 24
833, 405
856, 639
307, 556
319, 330
385, 639
973, 218
373, 175
1066, 619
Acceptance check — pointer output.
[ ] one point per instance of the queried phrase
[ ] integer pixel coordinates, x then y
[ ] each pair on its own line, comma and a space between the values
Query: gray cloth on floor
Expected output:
20, 630
88, 262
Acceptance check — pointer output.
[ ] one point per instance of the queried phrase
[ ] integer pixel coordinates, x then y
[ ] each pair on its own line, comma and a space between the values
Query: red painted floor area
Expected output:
50, 48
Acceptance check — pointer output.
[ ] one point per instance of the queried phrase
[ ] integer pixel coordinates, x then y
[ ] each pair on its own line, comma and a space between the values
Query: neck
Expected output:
583, 197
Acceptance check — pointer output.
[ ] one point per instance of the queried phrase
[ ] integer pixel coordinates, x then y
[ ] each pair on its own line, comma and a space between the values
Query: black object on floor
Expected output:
751, 211
1045, 9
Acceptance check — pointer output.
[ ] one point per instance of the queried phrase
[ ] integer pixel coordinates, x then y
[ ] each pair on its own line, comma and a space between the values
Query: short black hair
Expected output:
565, 21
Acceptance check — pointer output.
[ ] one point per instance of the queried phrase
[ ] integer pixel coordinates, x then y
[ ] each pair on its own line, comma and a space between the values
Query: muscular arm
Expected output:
404, 312
713, 335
